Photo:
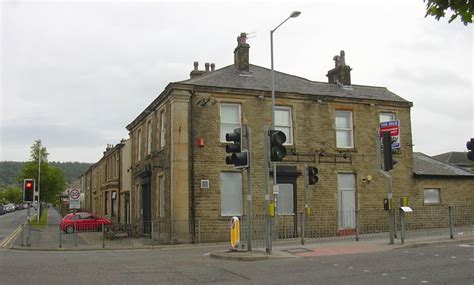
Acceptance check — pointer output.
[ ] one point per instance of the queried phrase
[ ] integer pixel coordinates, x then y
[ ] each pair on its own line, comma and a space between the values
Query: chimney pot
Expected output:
196, 65
213, 66
207, 66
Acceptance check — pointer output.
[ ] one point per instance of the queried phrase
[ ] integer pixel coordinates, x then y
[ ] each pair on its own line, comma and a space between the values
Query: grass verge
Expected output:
43, 219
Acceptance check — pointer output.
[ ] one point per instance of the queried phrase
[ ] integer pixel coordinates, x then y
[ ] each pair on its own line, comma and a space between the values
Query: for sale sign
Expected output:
394, 128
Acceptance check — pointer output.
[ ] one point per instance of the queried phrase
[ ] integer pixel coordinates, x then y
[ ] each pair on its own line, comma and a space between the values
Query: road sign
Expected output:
74, 199
394, 128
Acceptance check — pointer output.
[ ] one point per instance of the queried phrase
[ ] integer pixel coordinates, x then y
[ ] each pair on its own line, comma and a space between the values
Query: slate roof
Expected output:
426, 165
458, 158
260, 78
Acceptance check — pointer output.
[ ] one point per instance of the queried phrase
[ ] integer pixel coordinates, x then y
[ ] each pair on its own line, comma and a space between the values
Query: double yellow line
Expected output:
5, 243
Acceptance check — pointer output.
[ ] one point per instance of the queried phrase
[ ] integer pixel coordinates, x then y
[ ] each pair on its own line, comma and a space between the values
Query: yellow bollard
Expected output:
234, 232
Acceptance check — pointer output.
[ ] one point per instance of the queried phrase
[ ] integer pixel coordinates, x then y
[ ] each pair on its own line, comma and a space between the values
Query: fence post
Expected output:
152, 233
75, 234
199, 230
28, 235
60, 238
103, 236
402, 226
357, 223
450, 217
303, 220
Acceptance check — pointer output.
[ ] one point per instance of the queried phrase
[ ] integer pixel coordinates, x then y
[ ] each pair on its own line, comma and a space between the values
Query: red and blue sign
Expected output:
394, 128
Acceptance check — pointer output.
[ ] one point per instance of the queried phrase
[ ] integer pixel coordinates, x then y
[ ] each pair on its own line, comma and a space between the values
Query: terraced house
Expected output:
179, 176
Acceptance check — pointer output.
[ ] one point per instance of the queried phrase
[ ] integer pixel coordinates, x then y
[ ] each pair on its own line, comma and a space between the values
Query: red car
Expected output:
82, 222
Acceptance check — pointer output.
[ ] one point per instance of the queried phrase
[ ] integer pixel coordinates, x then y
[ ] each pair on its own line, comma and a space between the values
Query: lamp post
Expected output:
39, 180
293, 14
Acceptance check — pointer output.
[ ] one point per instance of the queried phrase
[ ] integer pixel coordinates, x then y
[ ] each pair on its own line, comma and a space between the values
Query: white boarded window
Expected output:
285, 199
161, 185
344, 132
162, 128
386, 117
432, 196
231, 193
230, 119
283, 123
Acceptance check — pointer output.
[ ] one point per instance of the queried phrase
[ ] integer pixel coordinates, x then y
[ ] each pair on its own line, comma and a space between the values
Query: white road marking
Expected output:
466, 245
350, 267
453, 257
384, 274
424, 281
335, 264
366, 270
207, 253
403, 278
436, 254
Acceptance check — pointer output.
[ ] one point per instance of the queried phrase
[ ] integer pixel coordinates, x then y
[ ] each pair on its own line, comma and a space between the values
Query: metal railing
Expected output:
423, 222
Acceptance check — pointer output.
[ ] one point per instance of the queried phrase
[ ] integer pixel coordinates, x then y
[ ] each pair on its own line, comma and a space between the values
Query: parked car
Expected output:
10, 208
82, 222
2, 210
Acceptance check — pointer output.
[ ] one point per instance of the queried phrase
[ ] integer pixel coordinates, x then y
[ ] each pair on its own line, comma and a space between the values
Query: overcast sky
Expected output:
74, 74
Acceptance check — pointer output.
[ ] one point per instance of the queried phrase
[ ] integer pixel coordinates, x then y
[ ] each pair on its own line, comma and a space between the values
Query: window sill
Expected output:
345, 149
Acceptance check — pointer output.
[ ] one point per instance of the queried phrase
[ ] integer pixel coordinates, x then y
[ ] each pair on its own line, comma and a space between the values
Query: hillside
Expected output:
10, 170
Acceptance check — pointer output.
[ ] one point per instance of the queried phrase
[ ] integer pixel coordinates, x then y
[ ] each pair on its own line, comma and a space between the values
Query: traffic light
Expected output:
388, 161
312, 175
239, 157
470, 147
277, 150
28, 190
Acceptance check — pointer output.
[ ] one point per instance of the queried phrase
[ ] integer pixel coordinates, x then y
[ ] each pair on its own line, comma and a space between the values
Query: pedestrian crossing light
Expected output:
238, 157
470, 148
277, 150
28, 190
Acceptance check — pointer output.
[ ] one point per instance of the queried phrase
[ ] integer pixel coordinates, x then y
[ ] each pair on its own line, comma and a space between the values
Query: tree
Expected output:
36, 152
52, 181
462, 8
11, 194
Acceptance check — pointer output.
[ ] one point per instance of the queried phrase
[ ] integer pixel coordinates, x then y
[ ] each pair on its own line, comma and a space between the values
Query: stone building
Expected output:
106, 184
177, 169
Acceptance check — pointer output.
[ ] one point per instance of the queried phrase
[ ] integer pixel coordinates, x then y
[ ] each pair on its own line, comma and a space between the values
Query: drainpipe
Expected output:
191, 172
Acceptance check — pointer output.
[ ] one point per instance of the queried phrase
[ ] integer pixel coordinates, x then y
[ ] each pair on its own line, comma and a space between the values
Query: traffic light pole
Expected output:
268, 225
249, 193
305, 214
391, 212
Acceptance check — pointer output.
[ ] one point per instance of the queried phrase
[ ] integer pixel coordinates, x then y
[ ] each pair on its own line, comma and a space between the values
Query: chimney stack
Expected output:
196, 72
341, 73
241, 54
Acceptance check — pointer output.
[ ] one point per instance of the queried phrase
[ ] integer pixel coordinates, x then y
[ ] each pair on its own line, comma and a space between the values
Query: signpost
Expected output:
74, 199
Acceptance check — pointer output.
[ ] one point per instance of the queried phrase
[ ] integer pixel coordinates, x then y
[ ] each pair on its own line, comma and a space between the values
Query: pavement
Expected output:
293, 249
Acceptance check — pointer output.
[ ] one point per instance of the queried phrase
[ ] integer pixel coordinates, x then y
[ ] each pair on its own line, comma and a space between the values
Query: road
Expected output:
451, 263
10, 221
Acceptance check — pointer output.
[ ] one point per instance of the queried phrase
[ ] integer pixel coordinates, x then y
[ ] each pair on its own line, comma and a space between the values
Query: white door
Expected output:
285, 199
347, 205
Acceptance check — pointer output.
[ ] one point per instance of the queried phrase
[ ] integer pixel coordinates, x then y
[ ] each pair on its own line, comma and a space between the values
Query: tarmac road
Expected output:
446, 263
10, 221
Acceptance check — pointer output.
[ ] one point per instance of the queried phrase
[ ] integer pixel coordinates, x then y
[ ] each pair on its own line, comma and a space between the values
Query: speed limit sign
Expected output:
74, 201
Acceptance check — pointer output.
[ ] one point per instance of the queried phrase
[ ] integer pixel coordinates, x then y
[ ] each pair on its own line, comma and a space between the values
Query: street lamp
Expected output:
293, 14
